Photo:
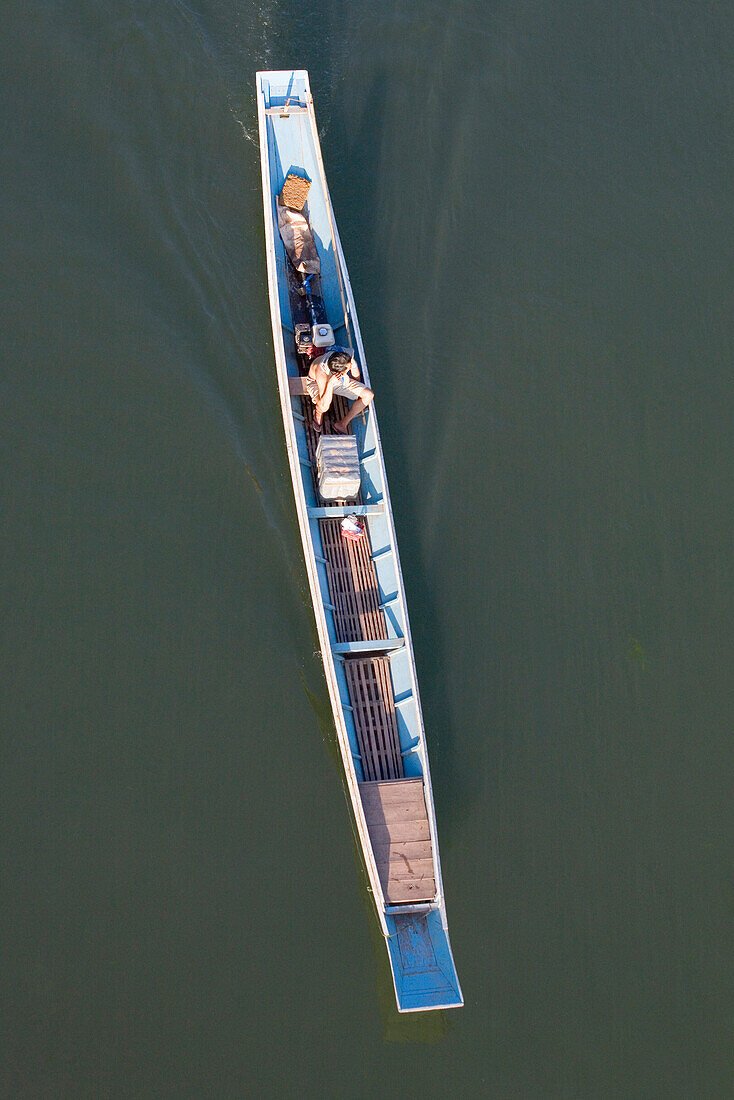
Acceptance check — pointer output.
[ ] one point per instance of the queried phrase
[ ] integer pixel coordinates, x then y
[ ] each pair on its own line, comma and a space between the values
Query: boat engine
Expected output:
304, 342
313, 338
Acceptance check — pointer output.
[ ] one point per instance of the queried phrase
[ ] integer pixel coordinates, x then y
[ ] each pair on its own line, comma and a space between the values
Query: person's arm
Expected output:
317, 376
354, 369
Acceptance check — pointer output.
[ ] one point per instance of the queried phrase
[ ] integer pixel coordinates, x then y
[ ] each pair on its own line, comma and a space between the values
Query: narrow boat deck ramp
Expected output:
394, 806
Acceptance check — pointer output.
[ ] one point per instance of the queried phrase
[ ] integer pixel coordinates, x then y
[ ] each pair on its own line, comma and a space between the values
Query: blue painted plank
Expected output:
381, 645
333, 511
420, 957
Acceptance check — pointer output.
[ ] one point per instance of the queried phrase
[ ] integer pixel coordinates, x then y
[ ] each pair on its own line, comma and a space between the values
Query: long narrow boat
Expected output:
356, 584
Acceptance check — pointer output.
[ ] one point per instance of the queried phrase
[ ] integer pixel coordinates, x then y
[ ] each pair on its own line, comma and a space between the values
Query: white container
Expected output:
322, 336
337, 467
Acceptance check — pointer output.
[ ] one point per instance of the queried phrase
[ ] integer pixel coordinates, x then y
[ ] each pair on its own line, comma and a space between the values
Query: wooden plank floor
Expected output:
371, 696
405, 855
339, 408
397, 821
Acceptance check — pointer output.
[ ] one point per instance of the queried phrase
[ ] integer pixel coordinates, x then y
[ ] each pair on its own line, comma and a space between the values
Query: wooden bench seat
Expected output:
297, 385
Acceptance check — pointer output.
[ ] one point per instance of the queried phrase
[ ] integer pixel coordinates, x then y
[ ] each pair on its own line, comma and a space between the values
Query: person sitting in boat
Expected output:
336, 372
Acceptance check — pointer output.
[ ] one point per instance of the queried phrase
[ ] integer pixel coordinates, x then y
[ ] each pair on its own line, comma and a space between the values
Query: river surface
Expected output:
535, 202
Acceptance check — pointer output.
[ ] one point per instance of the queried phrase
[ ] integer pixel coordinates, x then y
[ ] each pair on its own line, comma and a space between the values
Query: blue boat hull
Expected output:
416, 933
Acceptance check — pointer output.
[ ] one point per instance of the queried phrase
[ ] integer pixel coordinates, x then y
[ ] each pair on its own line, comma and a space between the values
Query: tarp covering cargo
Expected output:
298, 240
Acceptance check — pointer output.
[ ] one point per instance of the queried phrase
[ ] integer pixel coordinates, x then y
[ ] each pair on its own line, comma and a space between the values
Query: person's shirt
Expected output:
321, 373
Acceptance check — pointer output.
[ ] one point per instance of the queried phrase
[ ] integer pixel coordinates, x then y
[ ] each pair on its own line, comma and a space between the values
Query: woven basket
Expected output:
295, 192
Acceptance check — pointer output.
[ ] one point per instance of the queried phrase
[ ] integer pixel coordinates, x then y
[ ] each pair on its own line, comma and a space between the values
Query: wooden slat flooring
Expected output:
371, 696
339, 407
395, 807
397, 821
353, 585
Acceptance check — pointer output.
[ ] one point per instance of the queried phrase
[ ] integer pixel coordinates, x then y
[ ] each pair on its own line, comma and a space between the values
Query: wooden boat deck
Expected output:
370, 690
395, 807
397, 822
339, 408
353, 587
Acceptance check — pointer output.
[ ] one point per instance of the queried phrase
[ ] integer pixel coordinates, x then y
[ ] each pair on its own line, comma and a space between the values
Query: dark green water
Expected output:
535, 203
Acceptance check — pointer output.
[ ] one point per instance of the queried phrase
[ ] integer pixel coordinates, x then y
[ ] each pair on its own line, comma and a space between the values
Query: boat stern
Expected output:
420, 957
